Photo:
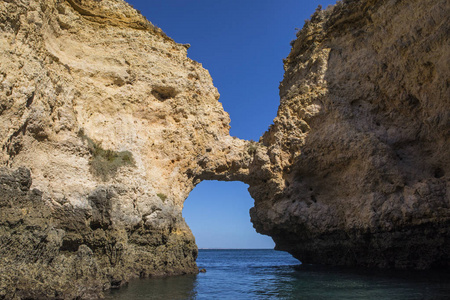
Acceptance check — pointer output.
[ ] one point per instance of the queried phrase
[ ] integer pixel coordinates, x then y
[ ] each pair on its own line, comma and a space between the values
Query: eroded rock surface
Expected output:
105, 128
359, 163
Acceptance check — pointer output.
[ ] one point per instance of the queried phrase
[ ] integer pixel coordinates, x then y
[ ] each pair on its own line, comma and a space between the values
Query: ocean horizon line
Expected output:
213, 248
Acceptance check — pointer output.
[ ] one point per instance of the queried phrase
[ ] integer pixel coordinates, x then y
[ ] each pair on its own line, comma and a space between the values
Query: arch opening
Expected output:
218, 214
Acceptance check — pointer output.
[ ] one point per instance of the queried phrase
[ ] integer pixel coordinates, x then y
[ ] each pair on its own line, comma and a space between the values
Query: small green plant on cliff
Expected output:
162, 197
105, 163
252, 147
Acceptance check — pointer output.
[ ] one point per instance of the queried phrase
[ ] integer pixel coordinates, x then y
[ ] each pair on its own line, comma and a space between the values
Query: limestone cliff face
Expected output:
358, 167
105, 128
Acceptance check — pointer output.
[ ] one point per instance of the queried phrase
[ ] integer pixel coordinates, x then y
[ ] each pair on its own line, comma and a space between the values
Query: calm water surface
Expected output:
270, 274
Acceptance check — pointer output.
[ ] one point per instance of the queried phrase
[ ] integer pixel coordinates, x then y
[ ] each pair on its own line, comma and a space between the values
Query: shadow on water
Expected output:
323, 282
176, 288
269, 274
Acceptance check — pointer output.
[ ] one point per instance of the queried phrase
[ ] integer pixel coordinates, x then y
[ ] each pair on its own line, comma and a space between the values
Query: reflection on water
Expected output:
269, 274
318, 282
176, 288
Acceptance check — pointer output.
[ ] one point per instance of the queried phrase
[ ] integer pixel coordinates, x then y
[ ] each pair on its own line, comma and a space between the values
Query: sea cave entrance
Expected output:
218, 214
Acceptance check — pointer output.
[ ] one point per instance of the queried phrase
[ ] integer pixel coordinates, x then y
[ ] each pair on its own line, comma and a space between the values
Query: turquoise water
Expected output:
270, 274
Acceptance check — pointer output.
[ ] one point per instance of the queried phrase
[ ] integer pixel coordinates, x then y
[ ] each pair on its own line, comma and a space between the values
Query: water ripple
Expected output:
269, 274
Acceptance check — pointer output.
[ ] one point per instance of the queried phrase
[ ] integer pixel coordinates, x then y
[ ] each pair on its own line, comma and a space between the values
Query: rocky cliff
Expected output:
106, 126
359, 151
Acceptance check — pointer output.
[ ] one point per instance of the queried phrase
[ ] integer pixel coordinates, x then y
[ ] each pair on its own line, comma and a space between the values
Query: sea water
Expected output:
269, 274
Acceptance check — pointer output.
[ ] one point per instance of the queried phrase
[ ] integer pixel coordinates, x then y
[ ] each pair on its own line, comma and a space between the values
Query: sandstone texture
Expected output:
359, 160
105, 128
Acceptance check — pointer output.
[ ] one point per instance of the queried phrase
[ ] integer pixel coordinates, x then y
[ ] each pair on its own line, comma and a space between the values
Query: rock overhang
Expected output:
337, 170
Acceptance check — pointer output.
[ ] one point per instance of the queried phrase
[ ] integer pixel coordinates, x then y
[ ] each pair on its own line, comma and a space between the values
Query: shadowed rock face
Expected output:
359, 148
106, 126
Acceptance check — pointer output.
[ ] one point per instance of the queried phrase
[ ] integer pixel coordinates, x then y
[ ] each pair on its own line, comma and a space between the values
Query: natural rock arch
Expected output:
217, 213
106, 126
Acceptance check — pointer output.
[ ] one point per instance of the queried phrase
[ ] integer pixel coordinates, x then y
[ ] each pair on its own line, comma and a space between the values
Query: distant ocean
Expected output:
269, 274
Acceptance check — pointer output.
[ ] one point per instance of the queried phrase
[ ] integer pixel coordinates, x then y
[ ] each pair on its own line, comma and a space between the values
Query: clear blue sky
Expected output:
242, 44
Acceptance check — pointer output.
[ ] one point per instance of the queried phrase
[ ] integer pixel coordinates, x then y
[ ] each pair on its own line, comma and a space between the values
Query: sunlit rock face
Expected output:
105, 128
358, 166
